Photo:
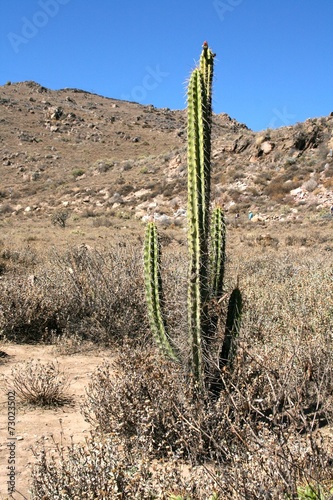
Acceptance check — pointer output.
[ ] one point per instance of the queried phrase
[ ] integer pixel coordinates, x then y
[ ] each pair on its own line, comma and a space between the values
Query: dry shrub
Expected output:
268, 435
279, 187
99, 469
294, 240
40, 384
145, 399
266, 240
60, 217
70, 343
258, 441
98, 295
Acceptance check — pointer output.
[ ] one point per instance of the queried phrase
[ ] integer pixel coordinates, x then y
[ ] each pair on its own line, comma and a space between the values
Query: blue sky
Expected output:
274, 63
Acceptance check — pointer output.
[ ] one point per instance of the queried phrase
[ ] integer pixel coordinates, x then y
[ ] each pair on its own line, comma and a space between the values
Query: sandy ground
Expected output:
34, 425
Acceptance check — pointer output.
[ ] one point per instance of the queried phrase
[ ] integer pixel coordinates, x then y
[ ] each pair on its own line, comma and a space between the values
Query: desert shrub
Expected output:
266, 437
98, 295
101, 221
78, 172
125, 189
263, 178
294, 240
234, 194
105, 288
99, 469
266, 240
70, 343
6, 208
40, 384
103, 166
310, 185
145, 399
260, 436
25, 257
60, 217
279, 187
89, 212
29, 310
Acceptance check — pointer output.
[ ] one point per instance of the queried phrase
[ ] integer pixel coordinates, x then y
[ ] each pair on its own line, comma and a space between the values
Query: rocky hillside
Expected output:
70, 150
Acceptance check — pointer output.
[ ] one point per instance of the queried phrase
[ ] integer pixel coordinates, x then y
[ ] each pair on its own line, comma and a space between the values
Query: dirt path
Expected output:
33, 425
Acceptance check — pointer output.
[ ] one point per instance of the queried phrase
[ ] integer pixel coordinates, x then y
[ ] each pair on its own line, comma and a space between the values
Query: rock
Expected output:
56, 113
240, 144
266, 147
181, 212
141, 192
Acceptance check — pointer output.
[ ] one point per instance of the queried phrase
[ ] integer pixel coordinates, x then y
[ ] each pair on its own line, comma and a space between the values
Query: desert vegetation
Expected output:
220, 385
268, 435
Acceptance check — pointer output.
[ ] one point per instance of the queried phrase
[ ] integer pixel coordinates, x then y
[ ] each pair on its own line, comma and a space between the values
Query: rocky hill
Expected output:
71, 150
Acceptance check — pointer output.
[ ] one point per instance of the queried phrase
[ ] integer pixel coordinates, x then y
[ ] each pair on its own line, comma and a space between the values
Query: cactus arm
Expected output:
232, 328
153, 288
217, 252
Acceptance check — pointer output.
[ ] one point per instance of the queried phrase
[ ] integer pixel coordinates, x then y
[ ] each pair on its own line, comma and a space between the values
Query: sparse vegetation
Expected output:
78, 172
40, 384
267, 433
59, 218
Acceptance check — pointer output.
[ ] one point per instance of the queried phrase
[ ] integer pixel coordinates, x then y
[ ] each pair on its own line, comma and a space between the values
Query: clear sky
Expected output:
274, 63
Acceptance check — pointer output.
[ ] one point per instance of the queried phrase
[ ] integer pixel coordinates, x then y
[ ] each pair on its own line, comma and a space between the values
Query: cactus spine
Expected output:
206, 237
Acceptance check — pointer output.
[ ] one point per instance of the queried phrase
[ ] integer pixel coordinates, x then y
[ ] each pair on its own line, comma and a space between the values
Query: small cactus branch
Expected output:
153, 287
217, 252
232, 328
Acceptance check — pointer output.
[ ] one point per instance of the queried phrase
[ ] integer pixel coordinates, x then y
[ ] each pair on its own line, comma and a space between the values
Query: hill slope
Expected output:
70, 149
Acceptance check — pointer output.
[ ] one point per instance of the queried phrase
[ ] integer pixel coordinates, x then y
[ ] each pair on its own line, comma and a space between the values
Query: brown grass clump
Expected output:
40, 384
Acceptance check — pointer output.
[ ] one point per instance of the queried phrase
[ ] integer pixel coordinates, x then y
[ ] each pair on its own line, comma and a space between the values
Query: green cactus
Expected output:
232, 327
206, 237
153, 286
217, 252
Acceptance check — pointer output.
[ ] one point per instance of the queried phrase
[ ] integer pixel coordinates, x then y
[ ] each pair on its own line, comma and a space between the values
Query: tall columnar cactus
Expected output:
198, 160
206, 234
